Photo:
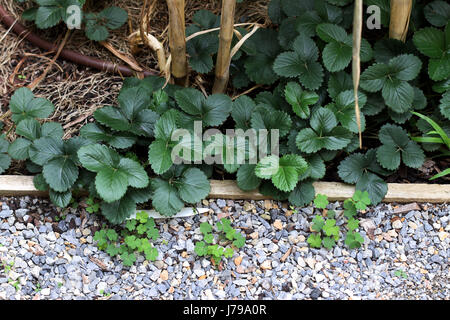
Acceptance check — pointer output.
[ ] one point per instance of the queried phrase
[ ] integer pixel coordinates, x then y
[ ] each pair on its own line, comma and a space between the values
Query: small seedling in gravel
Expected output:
359, 201
326, 233
92, 206
73, 203
15, 284
209, 247
321, 201
134, 238
400, 273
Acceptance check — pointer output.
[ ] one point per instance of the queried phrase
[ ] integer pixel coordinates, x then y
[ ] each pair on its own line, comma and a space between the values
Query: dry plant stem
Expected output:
198, 33
177, 41
399, 22
151, 41
223, 55
241, 41
247, 91
34, 84
356, 64
130, 61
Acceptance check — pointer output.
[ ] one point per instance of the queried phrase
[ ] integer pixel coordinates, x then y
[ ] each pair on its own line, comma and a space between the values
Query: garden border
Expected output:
14, 185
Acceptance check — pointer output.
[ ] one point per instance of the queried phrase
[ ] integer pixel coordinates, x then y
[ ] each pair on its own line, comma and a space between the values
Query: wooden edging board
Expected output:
11, 185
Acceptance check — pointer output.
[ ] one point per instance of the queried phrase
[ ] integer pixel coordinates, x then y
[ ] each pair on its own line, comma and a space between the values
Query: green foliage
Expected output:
202, 48
301, 62
49, 13
392, 79
176, 187
436, 136
326, 232
321, 201
299, 74
98, 24
400, 273
396, 147
227, 235
323, 134
5, 159
353, 240
435, 44
24, 105
299, 99
284, 172
134, 239
92, 206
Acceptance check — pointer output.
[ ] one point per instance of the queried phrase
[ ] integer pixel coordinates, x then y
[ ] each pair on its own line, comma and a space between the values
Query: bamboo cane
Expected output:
177, 41
399, 21
223, 55
356, 65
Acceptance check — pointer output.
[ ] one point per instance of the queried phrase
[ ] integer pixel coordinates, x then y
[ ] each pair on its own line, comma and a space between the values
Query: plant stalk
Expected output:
356, 64
177, 41
399, 21
224, 53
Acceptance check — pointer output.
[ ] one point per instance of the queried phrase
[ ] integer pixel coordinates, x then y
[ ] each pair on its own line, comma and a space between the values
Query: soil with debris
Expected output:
48, 254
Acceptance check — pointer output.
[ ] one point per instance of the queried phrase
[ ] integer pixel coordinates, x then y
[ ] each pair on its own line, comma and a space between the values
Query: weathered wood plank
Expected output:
227, 189
397, 192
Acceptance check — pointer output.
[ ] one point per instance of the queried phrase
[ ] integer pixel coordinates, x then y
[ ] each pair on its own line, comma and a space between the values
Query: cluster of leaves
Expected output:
53, 160
49, 13
438, 137
312, 103
124, 158
325, 230
5, 159
132, 240
209, 246
120, 181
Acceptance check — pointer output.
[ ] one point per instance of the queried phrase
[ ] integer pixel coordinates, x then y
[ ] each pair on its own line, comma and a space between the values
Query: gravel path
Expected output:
406, 256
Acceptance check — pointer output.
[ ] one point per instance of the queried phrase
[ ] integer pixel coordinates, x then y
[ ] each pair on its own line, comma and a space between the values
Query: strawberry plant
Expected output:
134, 239
326, 232
49, 13
358, 202
209, 246
297, 75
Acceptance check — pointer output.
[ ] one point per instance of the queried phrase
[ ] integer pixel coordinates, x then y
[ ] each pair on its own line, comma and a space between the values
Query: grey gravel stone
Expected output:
306, 273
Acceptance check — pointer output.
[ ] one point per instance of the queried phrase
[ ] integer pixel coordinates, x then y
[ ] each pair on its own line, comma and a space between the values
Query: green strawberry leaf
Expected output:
314, 240
352, 224
24, 105
437, 13
318, 223
299, 99
321, 201
166, 199
301, 63
205, 228
193, 185
328, 242
396, 146
302, 195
